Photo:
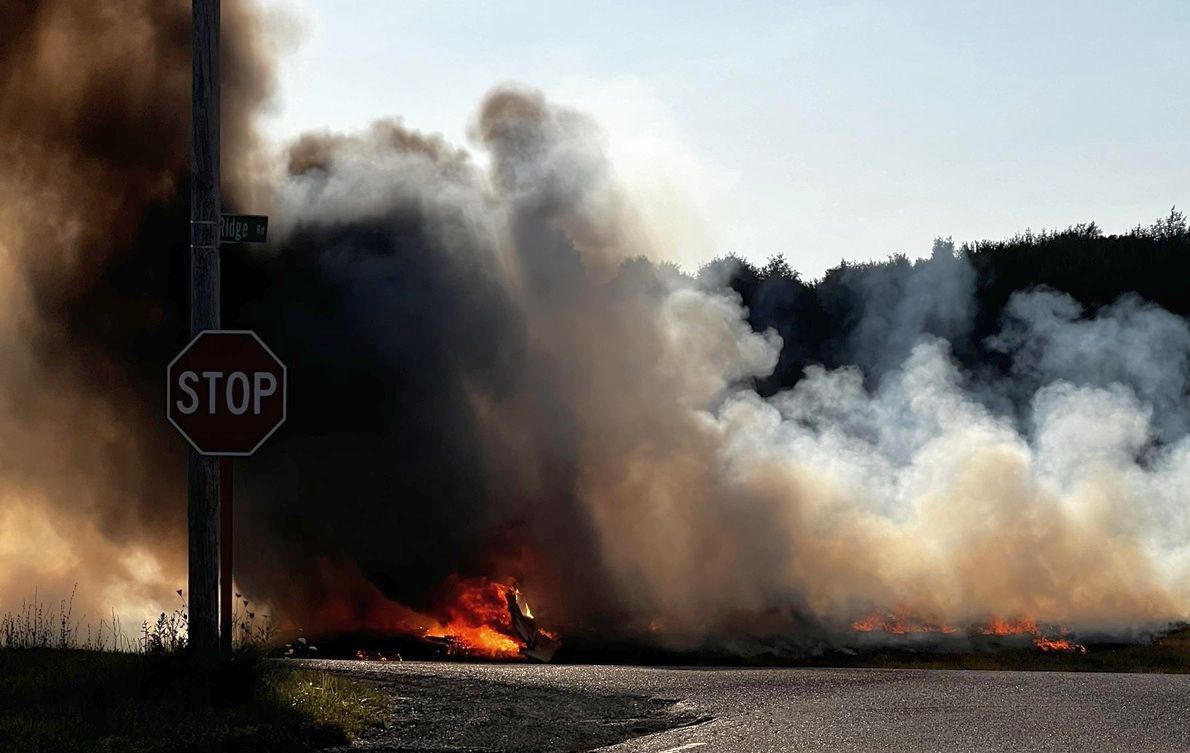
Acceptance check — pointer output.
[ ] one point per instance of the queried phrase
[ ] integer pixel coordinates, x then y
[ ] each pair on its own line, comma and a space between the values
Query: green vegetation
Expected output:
60, 692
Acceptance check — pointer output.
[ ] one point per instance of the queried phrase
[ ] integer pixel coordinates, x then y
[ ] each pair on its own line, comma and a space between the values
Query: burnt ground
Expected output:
467, 713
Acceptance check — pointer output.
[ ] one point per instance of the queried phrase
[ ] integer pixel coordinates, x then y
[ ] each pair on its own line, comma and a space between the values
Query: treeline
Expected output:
818, 319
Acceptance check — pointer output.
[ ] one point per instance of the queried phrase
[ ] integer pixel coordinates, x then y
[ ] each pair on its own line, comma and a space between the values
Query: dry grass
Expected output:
1169, 653
68, 700
38, 625
63, 688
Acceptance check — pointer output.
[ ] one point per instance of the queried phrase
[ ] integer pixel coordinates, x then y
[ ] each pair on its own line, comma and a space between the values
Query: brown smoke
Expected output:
94, 111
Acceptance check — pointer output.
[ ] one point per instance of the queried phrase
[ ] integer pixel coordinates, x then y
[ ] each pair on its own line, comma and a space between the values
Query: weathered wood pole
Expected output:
203, 472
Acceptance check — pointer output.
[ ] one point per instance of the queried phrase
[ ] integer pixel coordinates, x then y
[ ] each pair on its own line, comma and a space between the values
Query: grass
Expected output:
69, 700
329, 699
63, 692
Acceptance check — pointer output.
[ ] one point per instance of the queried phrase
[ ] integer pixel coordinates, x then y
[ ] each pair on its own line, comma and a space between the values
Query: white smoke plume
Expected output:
1055, 492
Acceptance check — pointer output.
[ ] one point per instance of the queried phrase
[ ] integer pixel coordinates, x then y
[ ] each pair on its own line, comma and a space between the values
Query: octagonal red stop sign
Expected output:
225, 392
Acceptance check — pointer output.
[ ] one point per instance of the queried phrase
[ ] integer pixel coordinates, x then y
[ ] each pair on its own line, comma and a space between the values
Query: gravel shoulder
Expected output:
451, 712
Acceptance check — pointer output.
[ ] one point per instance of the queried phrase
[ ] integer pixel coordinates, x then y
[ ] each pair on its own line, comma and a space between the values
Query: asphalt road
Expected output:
762, 710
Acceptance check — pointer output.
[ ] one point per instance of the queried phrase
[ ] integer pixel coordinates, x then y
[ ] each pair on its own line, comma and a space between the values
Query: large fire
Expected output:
474, 618
897, 623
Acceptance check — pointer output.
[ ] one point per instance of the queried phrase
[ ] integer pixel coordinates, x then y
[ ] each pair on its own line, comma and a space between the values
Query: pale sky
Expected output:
821, 130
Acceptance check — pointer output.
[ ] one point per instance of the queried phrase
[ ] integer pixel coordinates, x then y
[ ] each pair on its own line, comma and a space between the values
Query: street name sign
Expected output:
226, 392
243, 228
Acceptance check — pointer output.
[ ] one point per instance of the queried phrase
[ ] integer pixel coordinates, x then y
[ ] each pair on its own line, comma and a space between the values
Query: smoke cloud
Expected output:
94, 110
490, 376
545, 390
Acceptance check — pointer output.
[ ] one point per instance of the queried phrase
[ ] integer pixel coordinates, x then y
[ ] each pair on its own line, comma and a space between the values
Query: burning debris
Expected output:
539, 644
491, 619
472, 617
475, 618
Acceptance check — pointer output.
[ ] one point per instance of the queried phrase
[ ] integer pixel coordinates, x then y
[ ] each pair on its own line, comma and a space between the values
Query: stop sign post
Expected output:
226, 394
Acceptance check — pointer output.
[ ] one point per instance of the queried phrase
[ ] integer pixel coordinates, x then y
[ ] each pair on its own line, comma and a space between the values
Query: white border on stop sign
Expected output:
284, 391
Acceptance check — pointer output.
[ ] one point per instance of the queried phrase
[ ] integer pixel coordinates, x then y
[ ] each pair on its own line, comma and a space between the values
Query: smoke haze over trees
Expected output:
819, 320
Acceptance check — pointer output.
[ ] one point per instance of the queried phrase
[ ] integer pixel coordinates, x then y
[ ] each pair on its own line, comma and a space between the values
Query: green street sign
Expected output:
243, 228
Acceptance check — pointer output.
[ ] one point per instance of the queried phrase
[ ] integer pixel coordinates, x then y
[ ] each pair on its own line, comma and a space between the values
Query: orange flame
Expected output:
1058, 644
1027, 626
474, 619
897, 623
469, 616
999, 626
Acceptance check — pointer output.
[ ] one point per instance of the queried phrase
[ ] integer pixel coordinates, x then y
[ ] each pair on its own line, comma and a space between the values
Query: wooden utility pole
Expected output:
203, 471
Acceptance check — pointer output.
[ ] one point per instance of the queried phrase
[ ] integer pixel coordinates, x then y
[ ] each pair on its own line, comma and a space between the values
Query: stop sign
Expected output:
225, 392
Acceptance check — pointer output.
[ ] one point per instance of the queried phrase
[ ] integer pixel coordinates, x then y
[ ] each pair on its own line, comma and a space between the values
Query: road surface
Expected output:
504, 708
